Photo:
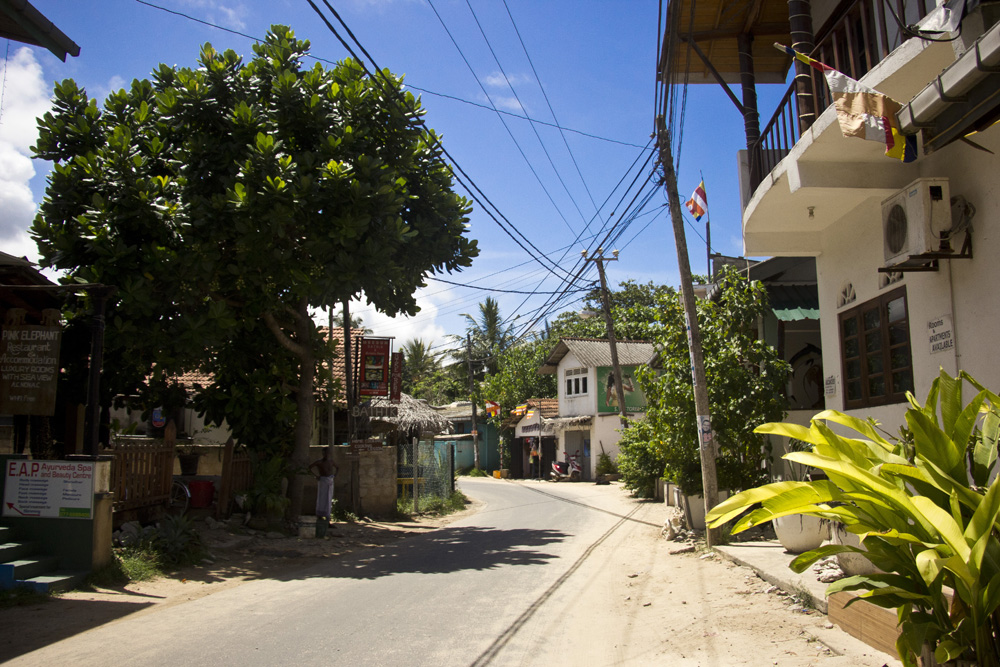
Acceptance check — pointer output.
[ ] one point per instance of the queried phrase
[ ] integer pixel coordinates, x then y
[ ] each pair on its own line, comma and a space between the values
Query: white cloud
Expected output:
114, 84
228, 14
498, 80
424, 325
508, 104
25, 98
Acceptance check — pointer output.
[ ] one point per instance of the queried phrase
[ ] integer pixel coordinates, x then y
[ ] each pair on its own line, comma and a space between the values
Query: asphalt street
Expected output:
479, 591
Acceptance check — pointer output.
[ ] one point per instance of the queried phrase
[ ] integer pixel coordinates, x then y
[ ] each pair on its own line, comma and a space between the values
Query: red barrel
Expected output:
202, 492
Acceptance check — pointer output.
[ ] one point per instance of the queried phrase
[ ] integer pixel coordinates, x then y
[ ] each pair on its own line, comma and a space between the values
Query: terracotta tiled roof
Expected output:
188, 380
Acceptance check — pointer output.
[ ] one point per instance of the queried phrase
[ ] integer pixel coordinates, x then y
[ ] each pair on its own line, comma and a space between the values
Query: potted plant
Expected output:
188, 458
925, 506
799, 533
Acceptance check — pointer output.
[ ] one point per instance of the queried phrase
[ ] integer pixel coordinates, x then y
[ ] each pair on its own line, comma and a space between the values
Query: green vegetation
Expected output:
605, 465
433, 505
746, 380
471, 472
926, 505
227, 202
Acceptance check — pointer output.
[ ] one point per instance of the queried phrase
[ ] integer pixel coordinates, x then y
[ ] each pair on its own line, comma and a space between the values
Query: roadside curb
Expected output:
770, 561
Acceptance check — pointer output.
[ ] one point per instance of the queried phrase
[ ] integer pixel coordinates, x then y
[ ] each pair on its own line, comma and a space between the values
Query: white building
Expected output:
905, 252
588, 419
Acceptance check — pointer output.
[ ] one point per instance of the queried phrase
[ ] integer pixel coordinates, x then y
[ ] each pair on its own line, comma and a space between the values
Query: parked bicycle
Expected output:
180, 497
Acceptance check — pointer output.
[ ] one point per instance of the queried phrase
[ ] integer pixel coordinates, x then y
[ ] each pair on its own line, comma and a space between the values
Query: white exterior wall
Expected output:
604, 429
572, 406
852, 250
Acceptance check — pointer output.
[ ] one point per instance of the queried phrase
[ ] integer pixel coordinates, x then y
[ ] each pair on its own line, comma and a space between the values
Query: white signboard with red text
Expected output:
49, 489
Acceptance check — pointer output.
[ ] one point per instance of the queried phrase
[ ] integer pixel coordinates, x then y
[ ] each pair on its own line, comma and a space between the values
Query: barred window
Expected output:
875, 351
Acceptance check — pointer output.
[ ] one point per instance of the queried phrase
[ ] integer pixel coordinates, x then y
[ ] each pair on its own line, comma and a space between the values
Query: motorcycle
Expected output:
569, 470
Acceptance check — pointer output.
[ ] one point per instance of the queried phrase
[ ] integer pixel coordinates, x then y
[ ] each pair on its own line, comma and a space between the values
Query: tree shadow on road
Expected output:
450, 549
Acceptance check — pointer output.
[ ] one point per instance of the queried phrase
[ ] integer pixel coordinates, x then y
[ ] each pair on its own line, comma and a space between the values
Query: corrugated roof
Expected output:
594, 352
20, 21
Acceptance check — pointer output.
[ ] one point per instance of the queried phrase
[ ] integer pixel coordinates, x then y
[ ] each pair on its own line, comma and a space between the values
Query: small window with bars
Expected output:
576, 381
875, 351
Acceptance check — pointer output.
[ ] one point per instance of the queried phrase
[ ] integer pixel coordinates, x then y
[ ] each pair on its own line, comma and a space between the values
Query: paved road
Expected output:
479, 591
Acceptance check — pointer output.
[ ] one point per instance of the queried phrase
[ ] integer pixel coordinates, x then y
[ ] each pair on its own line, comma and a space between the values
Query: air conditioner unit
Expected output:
913, 219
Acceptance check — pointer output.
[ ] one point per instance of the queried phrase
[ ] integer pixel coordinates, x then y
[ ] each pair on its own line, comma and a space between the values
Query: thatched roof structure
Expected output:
412, 414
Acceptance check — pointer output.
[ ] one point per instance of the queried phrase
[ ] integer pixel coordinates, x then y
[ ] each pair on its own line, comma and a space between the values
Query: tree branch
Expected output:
283, 339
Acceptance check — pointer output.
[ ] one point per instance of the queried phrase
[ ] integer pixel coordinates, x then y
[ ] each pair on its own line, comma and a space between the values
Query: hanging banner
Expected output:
29, 369
374, 380
607, 396
396, 385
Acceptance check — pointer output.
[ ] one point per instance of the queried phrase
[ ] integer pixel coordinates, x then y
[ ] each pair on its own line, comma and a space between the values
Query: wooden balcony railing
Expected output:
859, 34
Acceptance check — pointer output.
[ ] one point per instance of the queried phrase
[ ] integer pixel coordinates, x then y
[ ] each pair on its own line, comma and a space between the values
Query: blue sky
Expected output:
595, 60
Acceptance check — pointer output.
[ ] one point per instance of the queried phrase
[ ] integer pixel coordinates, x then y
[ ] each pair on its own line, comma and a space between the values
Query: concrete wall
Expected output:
962, 288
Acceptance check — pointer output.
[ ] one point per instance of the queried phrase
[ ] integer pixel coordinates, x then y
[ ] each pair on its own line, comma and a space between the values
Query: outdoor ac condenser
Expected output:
913, 219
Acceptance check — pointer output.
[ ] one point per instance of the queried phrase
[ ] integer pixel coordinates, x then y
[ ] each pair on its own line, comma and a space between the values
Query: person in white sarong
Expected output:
325, 471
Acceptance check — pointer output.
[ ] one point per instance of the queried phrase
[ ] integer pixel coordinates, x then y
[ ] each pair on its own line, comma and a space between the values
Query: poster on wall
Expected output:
29, 369
607, 395
374, 380
49, 489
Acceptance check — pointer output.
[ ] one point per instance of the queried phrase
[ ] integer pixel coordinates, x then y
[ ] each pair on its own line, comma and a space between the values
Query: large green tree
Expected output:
746, 381
228, 200
635, 312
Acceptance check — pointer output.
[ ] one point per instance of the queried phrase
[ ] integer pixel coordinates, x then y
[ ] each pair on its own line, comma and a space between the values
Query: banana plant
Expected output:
926, 506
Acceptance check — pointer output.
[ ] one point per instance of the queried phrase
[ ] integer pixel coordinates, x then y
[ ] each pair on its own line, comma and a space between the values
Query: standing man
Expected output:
325, 471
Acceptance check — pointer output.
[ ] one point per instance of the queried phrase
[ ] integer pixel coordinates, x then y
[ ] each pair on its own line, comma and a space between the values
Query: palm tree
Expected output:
356, 322
490, 335
420, 363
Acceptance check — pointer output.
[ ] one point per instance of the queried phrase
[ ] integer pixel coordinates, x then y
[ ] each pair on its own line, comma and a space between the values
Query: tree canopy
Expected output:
746, 381
227, 200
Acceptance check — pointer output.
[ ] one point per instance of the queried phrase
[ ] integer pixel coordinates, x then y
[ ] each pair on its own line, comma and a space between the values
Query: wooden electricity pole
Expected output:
472, 397
606, 306
706, 437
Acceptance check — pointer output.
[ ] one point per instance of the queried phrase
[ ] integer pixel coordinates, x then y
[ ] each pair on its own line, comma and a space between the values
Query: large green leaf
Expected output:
934, 446
984, 454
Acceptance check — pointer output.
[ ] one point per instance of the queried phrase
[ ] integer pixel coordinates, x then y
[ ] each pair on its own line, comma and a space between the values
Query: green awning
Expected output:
791, 303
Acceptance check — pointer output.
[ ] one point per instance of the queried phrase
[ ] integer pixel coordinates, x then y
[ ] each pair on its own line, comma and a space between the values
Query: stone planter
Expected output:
799, 533
852, 564
694, 507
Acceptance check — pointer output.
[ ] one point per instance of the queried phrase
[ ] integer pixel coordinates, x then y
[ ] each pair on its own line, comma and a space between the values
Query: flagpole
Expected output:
708, 231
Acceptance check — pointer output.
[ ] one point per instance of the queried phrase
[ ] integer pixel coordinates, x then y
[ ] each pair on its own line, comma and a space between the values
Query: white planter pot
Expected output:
852, 564
694, 507
799, 533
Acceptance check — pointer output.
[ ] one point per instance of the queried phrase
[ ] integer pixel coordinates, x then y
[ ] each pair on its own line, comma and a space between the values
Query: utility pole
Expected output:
472, 396
332, 440
706, 437
348, 360
615, 367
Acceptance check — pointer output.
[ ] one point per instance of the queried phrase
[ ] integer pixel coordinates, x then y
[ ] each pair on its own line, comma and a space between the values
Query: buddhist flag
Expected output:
698, 203
862, 111
492, 408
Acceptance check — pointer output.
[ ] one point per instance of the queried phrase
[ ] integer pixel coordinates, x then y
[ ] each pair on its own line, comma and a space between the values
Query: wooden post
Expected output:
705, 435
610, 326
226, 483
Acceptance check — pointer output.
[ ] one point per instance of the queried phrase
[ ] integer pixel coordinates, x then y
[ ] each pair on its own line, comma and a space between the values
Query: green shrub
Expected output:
433, 505
640, 460
177, 541
605, 465
926, 506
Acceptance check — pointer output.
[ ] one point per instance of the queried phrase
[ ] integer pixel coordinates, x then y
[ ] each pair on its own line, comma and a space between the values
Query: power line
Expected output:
503, 122
408, 85
532, 125
469, 185
491, 289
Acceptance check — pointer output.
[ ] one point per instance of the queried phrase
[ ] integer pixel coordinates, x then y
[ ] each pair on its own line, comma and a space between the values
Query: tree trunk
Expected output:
304, 400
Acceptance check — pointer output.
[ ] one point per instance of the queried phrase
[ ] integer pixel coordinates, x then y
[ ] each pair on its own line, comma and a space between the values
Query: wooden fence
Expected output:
141, 473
